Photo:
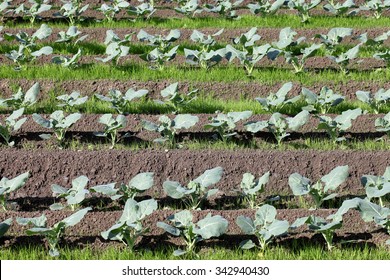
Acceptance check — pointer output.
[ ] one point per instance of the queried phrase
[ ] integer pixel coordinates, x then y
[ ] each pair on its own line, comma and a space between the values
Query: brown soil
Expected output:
105, 166
94, 223
219, 90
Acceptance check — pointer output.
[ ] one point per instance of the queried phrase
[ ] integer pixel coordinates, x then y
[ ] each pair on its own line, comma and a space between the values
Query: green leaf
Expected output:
211, 226
174, 189
335, 178
185, 121
16, 183
4, 226
299, 185
265, 214
247, 244
298, 121
246, 224
182, 219
210, 177
142, 181
74, 218
145, 208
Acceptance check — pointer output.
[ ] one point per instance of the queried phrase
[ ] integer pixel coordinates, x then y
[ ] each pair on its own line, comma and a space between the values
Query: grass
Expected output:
297, 251
271, 21
141, 72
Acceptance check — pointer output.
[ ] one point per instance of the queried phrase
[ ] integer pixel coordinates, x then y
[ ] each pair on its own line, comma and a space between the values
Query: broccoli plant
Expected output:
111, 10
55, 233
225, 124
4, 226
303, 8
276, 101
323, 189
12, 123
265, 227
21, 100
340, 8
225, 8
344, 59
298, 60
27, 50
168, 128
339, 124
137, 185
197, 191
265, 7
193, 233
112, 125
69, 101
57, 122
129, 226
375, 101
74, 196
205, 57
120, 101
385, 56
71, 36
334, 38
278, 125
251, 188
189, 7
247, 53
8, 186
144, 10
371, 212
176, 100
326, 227
68, 62
115, 47
322, 102
163, 51
377, 186
5, 8
72, 10
382, 124
377, 7
35, 8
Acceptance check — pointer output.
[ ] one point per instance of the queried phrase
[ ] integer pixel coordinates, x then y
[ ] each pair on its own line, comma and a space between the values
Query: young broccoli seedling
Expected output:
8, 186
12, 123
112, 125
251, 188
181, 225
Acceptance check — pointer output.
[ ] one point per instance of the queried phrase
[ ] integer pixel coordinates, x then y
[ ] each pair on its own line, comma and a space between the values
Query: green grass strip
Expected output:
271, 21
142, 72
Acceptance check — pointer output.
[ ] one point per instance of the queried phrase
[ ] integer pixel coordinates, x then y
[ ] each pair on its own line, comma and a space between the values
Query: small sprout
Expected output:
8, 186
168, 128
376, 101
252, 187
265, 227
303, 7
193, 233
36, 8
4, 226
112, 125
129, 226
163, 51
321, 225
278, 125
12, 123
20, 100
339, 124
109, 11
276, 101
68, 62
197, 191
59, 123
53, 234
321, 190
225, 124
322, 102
69, 101
176, 100
119, 101
265, 7
71, 36
74, 196
137, 185
377, 186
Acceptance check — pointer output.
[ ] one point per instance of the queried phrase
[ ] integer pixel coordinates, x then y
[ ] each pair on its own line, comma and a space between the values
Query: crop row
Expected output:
265, 226
74, 10
244, 48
